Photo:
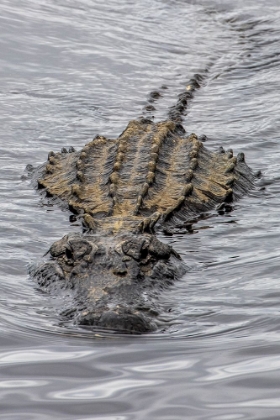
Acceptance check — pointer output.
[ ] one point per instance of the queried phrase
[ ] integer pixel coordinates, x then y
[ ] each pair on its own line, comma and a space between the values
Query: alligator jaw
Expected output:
114, 279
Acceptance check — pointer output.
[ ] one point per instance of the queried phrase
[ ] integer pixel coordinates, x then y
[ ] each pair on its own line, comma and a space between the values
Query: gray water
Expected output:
72, 69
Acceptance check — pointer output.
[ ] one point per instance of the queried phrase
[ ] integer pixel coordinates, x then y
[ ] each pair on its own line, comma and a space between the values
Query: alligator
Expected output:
152, 178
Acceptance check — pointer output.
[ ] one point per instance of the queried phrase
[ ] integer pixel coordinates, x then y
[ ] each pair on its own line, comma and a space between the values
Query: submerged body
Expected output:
152, 175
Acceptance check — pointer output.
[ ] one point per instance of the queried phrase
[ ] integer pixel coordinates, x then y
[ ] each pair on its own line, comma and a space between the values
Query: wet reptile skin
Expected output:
152, 176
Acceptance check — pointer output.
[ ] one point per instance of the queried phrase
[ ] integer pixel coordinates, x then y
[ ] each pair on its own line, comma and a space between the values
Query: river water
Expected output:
72, 69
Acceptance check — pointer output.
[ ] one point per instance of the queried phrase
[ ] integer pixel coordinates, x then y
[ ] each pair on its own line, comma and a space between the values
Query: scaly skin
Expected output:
110, 277
153, 174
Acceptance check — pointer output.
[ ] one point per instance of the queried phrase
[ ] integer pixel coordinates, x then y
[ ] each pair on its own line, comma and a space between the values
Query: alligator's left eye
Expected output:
69, 253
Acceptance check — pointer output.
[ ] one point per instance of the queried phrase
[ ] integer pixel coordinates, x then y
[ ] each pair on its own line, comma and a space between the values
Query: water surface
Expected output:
71, 70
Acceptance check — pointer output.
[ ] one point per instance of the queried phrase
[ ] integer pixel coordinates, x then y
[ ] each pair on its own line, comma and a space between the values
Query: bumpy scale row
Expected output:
188, 188
149, 222
154, 153
114, 177
77, 187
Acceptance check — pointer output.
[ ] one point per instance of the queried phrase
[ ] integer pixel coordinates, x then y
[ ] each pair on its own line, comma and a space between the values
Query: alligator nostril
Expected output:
120, 270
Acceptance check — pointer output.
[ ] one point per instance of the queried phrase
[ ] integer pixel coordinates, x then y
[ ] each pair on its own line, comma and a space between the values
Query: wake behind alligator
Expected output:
153, 175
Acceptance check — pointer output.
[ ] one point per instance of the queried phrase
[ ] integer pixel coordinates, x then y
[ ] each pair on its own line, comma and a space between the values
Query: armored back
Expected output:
153, 173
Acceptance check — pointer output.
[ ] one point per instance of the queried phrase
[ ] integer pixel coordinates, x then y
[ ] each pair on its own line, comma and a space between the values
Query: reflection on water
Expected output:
130, 379
72, 70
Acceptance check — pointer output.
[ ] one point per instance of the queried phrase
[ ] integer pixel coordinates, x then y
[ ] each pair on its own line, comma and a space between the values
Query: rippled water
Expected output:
70, 70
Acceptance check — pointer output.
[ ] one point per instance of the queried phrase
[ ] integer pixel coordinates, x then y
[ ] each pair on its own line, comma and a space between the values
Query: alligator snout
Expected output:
122, 320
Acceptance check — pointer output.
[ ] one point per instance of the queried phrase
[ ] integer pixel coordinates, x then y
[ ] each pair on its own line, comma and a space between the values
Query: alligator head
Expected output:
111, 278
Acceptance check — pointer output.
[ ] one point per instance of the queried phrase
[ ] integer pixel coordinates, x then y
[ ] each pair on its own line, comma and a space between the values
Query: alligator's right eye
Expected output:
144, 253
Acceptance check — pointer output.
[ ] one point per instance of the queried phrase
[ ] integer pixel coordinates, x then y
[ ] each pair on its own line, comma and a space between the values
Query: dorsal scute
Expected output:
135, 164
81, 178
153, 173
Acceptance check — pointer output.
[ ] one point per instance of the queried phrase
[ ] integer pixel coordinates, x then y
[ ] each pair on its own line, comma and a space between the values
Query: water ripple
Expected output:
71, 70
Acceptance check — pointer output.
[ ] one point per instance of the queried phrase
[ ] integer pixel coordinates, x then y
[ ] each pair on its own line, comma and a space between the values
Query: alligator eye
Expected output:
144, 253
69, 254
